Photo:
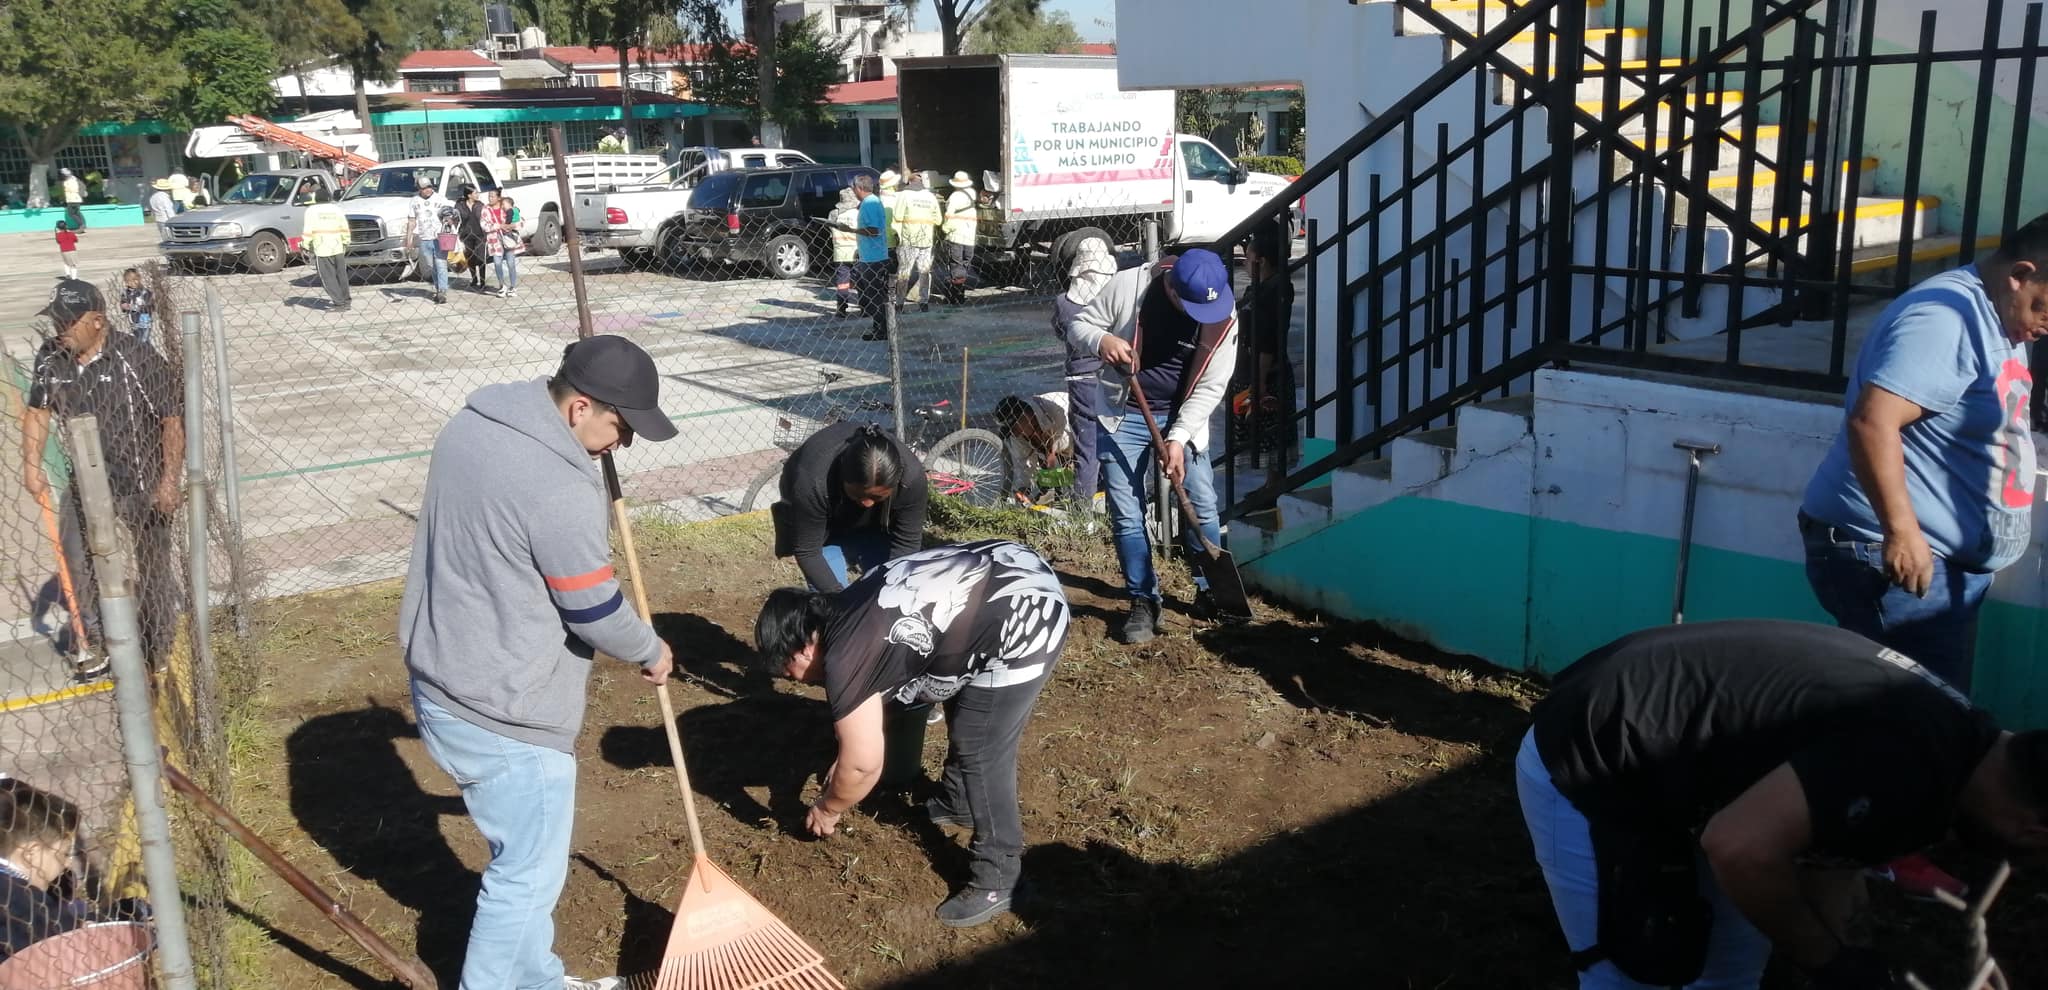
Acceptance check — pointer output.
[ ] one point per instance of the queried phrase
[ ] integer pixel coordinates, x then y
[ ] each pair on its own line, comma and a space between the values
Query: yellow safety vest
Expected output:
889, 215
963, 217
917, 217
326, 231
846, 244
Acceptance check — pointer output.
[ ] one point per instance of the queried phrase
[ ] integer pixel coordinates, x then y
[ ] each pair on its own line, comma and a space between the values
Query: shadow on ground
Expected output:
354, 795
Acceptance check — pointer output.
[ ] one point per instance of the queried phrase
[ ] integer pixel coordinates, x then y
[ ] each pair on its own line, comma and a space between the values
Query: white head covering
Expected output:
962, 181
1092, 268
888, 180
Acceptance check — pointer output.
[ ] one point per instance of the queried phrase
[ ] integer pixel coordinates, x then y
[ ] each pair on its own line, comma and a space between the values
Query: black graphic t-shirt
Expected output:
918, 629
1665, 727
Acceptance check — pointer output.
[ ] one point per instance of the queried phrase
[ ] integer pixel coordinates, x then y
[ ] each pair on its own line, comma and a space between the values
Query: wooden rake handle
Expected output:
668, 708
1187, 507
408, 969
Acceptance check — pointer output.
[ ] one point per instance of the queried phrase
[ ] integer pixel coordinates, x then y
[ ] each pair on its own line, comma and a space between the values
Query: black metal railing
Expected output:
1555, 231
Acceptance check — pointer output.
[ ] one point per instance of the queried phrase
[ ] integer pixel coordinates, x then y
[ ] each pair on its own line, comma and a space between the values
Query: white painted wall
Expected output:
333, 80
1959, 26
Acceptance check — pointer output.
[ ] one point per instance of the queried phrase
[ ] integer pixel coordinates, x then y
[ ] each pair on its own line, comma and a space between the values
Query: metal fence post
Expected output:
195, 482
895, 359
121, 633
230, 474
1151, 239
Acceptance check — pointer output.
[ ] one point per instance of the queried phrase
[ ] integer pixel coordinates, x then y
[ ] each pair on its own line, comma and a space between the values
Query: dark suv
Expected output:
763, 216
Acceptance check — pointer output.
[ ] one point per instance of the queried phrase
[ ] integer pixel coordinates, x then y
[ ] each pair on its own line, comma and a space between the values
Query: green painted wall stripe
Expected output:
1537, 594
516, 115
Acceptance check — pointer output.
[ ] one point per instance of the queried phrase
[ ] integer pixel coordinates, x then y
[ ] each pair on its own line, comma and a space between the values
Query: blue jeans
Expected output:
434, 260
1736, 951
1938, 631
523, 799
142, 323
507, 266
1126, 457
868, 547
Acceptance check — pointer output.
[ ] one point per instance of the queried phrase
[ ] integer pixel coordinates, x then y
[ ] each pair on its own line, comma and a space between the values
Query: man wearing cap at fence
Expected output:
1171, 325
963, 222
86, 370
509, 594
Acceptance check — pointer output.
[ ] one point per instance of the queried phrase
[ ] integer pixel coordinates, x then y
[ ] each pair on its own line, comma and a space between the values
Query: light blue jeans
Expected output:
1736, 951
434, 260
523, 799
868, 547
507, 265
1126, 457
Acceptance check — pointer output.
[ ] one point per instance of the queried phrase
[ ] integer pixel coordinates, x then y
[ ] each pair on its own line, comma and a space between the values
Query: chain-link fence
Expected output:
317, 386
60, 725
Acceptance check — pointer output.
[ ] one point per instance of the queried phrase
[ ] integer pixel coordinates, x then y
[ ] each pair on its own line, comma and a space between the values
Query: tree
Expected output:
956, 19
66, 65
1203, 112
387, 31
229, 63
808, 63
449, 24
1022, 27
305, 33
556, 18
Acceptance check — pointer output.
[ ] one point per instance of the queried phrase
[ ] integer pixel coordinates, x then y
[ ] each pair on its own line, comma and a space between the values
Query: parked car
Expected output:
633, 217
764, 216
377, 203
257, 224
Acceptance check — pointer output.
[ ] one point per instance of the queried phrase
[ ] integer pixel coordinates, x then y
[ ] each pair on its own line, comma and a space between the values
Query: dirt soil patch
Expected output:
1238, 807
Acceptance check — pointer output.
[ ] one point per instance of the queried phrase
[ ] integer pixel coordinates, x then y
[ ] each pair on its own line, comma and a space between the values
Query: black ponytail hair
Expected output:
788, 620
870, 461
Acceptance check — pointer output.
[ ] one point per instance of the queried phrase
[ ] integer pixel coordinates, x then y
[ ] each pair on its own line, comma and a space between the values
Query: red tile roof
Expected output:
444, 60
873, 91
601, 56
1092, 49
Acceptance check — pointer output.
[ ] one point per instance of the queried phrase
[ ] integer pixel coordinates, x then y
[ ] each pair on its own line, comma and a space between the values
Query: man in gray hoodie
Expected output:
509, 594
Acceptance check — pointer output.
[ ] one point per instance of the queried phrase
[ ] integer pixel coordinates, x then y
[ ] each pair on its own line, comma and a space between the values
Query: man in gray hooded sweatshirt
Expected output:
509, 594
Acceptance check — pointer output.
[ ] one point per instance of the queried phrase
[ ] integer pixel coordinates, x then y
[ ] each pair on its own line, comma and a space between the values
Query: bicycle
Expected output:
965, 463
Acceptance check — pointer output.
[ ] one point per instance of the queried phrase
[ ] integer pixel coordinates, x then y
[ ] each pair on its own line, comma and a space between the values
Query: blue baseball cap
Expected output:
1203, 284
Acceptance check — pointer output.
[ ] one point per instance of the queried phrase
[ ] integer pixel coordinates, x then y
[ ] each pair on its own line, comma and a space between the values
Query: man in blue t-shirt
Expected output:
872, 273
1928, 490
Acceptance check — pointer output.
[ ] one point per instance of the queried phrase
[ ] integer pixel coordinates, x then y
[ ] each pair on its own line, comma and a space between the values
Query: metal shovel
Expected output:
1226, 586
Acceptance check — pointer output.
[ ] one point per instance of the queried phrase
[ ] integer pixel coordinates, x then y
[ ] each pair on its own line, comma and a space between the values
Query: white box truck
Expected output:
1068, 154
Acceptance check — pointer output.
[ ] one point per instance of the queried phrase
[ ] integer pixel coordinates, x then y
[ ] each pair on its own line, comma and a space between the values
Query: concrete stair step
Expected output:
1878, 221
1524, 47
1486, 428
1930, 255
1360, 486
1726, 101
1307, 507
1425, 457
1592, 83
1728, 143
1477, 16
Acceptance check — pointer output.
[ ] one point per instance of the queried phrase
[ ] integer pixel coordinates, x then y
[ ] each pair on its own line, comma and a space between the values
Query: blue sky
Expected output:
1086, 14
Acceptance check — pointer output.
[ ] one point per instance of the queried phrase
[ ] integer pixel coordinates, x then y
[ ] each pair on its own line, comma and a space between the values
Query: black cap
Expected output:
74, 298
616, 372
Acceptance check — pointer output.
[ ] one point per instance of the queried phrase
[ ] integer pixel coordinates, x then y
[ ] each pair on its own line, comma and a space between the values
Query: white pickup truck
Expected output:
633, 218
379, 200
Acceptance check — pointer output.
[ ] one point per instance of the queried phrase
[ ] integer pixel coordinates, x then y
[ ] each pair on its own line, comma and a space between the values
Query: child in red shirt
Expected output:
67, 248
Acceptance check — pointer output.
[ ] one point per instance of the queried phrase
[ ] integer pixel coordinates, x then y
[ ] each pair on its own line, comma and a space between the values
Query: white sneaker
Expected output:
602, 983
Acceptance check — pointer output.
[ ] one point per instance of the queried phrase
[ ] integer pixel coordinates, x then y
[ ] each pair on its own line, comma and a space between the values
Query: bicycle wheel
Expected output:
969, 464
767, 487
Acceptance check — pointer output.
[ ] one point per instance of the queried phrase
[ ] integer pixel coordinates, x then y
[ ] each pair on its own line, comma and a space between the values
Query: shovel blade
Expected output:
1226, 585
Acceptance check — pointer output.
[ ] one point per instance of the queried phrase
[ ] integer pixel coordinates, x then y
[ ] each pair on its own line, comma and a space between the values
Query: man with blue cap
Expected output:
1172, 326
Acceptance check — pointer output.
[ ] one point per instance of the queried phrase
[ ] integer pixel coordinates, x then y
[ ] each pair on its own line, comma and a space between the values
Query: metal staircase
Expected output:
1595, 181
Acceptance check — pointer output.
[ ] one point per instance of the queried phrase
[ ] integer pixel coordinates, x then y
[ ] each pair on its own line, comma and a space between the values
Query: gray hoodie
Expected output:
511, 586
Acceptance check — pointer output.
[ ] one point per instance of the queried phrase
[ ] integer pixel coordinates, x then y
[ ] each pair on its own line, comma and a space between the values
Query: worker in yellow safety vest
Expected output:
917, 226
963, 222
845, 245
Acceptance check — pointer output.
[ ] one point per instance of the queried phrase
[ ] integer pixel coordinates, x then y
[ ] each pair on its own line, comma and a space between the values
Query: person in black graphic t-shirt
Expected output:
85, 370
1776, 759
977, 628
